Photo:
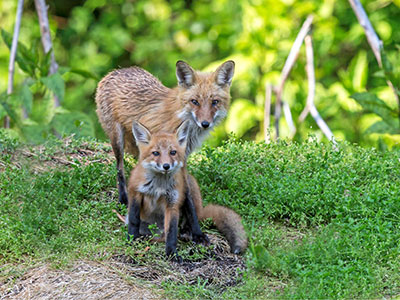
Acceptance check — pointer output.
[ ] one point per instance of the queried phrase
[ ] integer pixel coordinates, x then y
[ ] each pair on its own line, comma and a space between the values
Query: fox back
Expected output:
133, 94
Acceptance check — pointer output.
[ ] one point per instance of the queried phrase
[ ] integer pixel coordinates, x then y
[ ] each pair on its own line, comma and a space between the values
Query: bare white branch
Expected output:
373, 39
267, 112
13, 54
41, 9
291, 59
311, 92
289, 119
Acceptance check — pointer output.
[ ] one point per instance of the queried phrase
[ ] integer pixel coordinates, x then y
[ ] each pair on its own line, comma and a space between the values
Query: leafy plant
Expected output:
389, 122
38, 87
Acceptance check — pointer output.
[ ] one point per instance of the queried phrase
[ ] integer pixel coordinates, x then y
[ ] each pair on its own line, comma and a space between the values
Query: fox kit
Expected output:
133, 94
157, 190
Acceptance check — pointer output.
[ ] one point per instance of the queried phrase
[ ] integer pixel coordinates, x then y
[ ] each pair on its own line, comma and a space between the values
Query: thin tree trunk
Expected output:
13, 53
41, 9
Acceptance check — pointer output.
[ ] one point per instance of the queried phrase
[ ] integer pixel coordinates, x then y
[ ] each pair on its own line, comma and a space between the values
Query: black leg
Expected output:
117, 144
134, 220
123, 197
190, 213
171, 239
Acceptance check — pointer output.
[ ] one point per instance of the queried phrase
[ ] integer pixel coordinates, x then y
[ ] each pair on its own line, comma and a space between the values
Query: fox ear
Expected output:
224, 74
182, 132
184, 74
141, 133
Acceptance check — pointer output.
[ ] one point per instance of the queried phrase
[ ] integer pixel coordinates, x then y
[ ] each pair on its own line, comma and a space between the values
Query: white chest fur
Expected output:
158, 185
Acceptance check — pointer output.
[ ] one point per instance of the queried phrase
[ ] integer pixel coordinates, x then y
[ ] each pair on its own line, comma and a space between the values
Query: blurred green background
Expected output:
94, 37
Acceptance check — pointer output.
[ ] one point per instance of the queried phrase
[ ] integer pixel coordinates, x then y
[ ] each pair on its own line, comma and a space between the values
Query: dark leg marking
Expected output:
171, 240
190, 212
134, 220
123, 196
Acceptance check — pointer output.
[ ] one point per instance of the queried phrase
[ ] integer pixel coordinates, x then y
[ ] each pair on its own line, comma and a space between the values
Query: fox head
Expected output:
205, 96
161, 152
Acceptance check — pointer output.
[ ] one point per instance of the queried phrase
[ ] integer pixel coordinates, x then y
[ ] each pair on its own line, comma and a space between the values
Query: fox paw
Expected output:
173, 256
201, 239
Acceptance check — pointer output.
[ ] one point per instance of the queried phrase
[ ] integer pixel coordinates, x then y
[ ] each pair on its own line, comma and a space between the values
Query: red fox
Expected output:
157, 190
133, 94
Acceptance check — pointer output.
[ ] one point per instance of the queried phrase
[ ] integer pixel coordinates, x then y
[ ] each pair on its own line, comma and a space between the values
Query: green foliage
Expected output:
390, 116
322, 222
349, 194
257, 35
38, 87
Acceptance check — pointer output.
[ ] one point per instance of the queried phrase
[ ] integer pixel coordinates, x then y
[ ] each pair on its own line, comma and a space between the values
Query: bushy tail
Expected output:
228, 223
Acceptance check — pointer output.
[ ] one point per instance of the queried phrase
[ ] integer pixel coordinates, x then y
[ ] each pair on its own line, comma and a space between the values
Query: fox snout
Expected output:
205, 124
164, 167
210, 121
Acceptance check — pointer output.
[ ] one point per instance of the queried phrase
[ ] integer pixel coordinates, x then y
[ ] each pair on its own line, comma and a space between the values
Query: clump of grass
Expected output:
346, 200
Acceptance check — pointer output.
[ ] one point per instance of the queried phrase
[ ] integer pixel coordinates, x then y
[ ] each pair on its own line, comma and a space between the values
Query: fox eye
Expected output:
214, 102
173, 152
156, 153
195, 102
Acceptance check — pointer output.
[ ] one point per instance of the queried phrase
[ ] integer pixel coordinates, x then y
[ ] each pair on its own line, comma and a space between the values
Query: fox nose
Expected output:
205, 124
166, 166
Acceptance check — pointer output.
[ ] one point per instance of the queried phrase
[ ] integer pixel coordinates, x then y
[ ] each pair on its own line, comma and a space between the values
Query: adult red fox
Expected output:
157, 190
133, 94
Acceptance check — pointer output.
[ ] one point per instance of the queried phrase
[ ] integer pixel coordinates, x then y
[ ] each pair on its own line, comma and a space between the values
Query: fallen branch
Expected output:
291, 59
41, 9
13, 53
310, 106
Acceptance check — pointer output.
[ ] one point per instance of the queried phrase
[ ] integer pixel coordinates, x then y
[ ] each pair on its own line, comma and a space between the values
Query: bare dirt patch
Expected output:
218, 268
41, 158
117, 277
85, 280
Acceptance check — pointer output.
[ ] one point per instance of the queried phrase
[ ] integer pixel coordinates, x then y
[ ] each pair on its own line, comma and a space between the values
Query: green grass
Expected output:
322, 223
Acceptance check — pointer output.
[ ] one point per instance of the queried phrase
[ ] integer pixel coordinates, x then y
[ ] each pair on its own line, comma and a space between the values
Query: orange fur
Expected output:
133, 94
149, 187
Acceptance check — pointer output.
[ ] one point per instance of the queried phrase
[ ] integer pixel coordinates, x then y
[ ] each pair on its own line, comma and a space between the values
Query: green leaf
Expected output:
44, 63
26, 97
56, 84
386, 64
388, 68
243, 115
23, 57
67, 123
84, 73
382, 127
10, 112
372, 103
359, 71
